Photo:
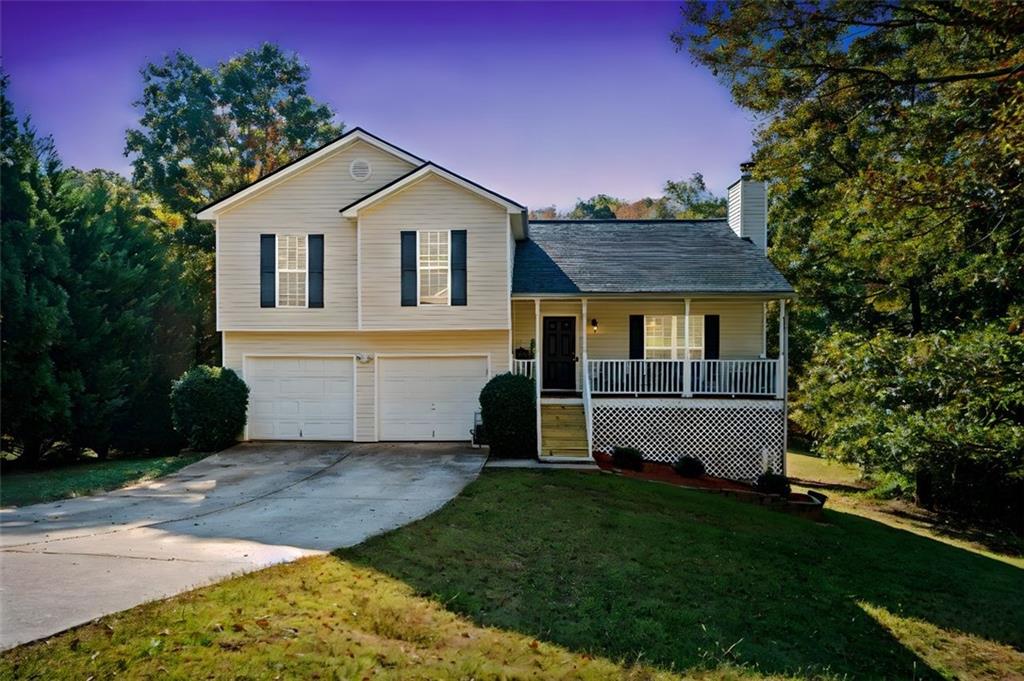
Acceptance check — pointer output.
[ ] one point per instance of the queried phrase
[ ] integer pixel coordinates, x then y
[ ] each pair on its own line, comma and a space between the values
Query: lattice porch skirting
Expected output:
732, 437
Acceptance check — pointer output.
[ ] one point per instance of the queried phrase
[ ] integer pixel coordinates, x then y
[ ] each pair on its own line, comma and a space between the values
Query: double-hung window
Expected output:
292, 269
665, 337
434, 267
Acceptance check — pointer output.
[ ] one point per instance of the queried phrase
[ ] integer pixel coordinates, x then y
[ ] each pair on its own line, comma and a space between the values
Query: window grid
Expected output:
434, 267
291, 271
665, 337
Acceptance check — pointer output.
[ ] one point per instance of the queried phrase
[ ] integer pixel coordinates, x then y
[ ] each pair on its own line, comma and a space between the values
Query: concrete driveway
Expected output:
68, 562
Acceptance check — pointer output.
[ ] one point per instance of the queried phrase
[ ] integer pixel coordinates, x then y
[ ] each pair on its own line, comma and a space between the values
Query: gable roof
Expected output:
209, 211
641, 256
417, 174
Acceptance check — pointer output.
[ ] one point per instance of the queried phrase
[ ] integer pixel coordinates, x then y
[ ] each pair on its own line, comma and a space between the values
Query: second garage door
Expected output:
429, 398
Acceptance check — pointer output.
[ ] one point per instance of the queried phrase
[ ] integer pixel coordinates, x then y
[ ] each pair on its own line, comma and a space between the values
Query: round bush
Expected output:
689, 467
208, 406
628, 458
508, 407
772, 483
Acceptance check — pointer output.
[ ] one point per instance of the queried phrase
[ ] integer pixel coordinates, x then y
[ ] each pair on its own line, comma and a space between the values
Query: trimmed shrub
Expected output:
628, 458
772, 483
208, 407
689, 467
508, 407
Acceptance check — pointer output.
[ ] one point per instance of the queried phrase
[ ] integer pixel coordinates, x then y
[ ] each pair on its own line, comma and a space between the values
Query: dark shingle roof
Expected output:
645, 256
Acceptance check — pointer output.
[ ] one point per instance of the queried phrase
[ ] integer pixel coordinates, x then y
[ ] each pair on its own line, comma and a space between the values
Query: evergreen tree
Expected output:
35, 394
118, 279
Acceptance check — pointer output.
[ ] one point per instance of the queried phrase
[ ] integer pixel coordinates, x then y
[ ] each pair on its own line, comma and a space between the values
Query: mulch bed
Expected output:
662, 472
796, 503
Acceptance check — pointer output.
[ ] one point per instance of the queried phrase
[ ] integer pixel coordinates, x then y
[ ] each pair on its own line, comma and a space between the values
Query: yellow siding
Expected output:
492, 343
307, 203
434, 203
740, 333
523, 329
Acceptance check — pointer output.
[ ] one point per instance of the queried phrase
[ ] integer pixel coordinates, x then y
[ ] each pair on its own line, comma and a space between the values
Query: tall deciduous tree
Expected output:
892, 133
893, 136
692, 200
204, 133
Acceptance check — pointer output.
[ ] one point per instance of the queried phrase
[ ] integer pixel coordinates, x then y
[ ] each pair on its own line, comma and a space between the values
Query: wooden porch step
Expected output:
563, 431
568, 422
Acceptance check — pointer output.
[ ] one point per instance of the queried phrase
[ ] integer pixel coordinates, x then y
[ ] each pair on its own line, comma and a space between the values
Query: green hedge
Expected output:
208, 407
508, 406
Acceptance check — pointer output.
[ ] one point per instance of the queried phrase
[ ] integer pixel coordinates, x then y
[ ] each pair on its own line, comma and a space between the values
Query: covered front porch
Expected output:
715, 347
656, 372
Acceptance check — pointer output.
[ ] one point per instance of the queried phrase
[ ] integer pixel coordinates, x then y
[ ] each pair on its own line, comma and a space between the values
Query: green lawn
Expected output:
21, 488
575, 575
824, 472
848, 492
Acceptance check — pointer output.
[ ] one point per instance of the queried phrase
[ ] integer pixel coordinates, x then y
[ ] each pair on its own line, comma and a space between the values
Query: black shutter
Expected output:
268, 254
636, 336
316, 270
409, 268
458, 267
711, 336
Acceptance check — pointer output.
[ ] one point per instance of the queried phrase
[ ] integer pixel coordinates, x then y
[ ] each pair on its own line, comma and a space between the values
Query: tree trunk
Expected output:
31, 449
923, 495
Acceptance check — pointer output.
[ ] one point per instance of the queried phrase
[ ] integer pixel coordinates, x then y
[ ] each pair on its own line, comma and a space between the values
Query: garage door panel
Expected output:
300, 398
429, 398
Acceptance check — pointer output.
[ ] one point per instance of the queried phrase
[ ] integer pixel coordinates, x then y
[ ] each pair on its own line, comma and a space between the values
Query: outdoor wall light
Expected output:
593, 323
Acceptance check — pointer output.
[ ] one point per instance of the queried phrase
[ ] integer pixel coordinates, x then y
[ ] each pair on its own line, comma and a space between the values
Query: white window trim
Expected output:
277, 273
447, 303
675, 338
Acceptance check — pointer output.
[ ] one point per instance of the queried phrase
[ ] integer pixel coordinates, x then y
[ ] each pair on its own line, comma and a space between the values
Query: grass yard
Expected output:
849, 493
573, 575
21, 488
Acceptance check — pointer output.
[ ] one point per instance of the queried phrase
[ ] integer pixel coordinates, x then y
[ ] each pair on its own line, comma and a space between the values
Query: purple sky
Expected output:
541, 102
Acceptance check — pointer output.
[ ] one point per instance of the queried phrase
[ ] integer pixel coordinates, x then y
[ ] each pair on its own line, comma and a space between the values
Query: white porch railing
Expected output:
524, 367
588, 411
669, 377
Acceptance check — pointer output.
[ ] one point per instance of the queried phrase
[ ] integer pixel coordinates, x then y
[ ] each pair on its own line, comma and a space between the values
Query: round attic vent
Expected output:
360, 169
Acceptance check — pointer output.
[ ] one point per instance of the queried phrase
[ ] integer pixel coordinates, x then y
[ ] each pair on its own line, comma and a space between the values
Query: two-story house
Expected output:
365, 294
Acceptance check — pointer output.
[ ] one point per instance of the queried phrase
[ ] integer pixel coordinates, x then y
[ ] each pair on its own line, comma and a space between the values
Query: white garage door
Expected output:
299, 398
429, 398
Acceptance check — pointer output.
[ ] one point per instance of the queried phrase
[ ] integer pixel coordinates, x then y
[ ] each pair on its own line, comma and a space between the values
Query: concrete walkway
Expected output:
69, 562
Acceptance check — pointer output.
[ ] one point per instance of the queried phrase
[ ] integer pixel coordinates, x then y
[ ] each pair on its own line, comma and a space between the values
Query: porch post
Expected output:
687, 375
537, 370
583, 323
780, 373
764, 330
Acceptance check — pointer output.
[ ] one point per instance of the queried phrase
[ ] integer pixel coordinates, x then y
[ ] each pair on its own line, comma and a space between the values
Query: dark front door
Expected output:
559, 353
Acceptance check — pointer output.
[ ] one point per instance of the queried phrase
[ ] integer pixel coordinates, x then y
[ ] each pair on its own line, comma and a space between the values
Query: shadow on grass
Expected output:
687, 580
